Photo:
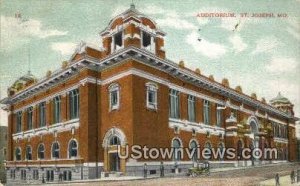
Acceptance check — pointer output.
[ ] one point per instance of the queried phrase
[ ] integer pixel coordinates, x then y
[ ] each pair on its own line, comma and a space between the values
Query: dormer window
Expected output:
117, 41
148, 42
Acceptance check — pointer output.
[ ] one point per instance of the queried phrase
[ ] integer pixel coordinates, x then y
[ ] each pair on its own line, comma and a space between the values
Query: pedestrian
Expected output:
162, 169
145, 170
277, 179
298, 175
292, 176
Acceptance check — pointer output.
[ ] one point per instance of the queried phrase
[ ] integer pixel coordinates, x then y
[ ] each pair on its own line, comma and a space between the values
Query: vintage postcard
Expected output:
160, 92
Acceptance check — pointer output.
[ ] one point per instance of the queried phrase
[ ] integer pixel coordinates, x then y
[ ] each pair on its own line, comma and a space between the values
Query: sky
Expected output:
261, 54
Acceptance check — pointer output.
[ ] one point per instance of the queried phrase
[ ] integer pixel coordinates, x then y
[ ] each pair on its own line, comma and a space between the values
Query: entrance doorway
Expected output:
114, 162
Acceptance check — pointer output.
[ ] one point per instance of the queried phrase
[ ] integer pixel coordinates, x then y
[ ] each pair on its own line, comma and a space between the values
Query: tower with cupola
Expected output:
132, 28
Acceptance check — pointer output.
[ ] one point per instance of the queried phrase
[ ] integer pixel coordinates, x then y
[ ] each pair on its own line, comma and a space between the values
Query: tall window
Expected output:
117, 41
42, 112
41, 152
55, 150
151, 96
176, 144
219, 116
57, 109
73, 148
194, 150
191, 108
29, 118
114, 96
19, 121
148, 41
18, 154
28, 153
174, 104
74, 103
206, 112
208, 146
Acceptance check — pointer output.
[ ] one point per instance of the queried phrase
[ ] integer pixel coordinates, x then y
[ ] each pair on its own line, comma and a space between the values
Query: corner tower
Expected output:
132, 28
283, 104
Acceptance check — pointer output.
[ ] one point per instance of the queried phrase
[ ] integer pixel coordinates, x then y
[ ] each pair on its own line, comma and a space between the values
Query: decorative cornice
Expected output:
158, 63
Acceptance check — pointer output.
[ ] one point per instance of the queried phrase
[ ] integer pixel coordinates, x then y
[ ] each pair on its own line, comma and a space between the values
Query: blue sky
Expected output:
262, 55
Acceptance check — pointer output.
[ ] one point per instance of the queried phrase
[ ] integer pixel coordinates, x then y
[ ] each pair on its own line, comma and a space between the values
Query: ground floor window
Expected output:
35, 174
50, 175
67, 175
23, 174
13, 174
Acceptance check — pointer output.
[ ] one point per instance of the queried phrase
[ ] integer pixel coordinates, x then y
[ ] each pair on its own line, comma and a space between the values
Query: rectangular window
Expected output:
50, 175
19, 122
74, 103
174, 104
23, 174
219, 116
67, 175
151, 96
191, 108
206, 112
114, 96
57, 109
35, 174
13, 174
42, 112
117, 41
29, 118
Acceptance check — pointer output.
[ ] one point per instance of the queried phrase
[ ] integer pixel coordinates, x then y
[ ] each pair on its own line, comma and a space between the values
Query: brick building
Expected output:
70, 122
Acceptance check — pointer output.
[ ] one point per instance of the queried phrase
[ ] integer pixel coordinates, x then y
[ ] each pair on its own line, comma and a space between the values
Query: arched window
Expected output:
55, 150
41, 151
73, 149
221, 150
18, 154
114, 141
176, 145
239, 149
194, 150
208, 146
28, 153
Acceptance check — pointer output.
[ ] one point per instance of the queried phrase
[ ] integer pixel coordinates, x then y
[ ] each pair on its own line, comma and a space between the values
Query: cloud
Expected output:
206, 48
281, 65
65, 48
175, 23
266, 44
16, 31
237, 43
294, 27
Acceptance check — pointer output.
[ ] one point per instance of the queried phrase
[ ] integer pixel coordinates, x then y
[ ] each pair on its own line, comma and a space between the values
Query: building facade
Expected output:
70, 124
3, 152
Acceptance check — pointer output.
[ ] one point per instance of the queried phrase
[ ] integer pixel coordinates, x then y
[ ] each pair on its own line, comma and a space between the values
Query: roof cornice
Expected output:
152, 60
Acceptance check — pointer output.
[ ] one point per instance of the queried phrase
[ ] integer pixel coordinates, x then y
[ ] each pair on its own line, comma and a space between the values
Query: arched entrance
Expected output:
113, 139
254, 130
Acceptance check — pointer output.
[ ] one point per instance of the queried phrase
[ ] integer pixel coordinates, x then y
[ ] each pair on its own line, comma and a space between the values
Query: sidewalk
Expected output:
284, 180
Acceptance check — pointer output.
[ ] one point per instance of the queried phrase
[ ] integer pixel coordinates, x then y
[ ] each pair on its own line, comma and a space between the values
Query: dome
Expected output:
21, 83
280, 99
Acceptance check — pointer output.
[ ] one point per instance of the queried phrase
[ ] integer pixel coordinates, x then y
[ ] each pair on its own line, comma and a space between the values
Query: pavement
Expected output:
283, 180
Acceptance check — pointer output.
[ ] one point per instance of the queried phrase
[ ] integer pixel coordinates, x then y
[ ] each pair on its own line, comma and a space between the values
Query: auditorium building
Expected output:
69, 124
